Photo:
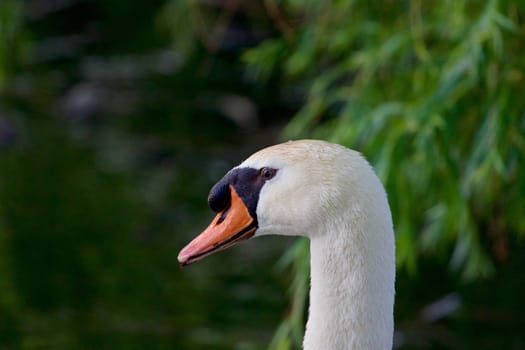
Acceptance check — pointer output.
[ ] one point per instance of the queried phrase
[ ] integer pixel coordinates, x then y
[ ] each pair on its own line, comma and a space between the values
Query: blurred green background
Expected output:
116, 117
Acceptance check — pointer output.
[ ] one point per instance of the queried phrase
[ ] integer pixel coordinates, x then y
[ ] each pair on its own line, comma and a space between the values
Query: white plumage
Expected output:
331, 195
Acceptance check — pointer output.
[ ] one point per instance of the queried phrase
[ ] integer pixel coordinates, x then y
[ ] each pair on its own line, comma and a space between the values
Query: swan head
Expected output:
292, 188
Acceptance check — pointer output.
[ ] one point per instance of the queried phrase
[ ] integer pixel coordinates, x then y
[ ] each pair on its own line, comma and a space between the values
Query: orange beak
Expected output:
230, 226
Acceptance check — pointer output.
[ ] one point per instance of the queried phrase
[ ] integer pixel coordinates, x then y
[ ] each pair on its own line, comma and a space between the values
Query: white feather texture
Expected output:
330, 194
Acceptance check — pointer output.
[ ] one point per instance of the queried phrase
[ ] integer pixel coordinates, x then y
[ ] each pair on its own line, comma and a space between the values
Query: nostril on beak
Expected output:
223, 216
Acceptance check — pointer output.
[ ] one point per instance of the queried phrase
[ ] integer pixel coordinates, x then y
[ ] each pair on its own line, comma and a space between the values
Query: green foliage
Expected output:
116, 118
431, 92
291, 329
177, 19
10, 33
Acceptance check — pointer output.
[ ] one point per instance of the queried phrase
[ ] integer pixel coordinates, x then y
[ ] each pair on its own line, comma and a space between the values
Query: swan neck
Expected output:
352, 289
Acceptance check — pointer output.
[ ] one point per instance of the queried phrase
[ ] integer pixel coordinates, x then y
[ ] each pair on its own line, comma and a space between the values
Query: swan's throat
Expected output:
352, 292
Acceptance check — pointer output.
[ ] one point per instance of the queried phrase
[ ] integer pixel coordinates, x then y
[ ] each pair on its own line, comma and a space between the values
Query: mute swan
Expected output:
331, 195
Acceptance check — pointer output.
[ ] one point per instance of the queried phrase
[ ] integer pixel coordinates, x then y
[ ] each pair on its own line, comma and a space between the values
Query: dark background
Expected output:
117, 117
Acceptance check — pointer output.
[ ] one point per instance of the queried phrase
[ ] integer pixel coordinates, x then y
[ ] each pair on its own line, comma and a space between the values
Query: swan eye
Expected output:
267, 173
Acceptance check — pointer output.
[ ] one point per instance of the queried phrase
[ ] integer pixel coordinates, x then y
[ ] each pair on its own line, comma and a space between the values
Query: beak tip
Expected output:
183, 258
